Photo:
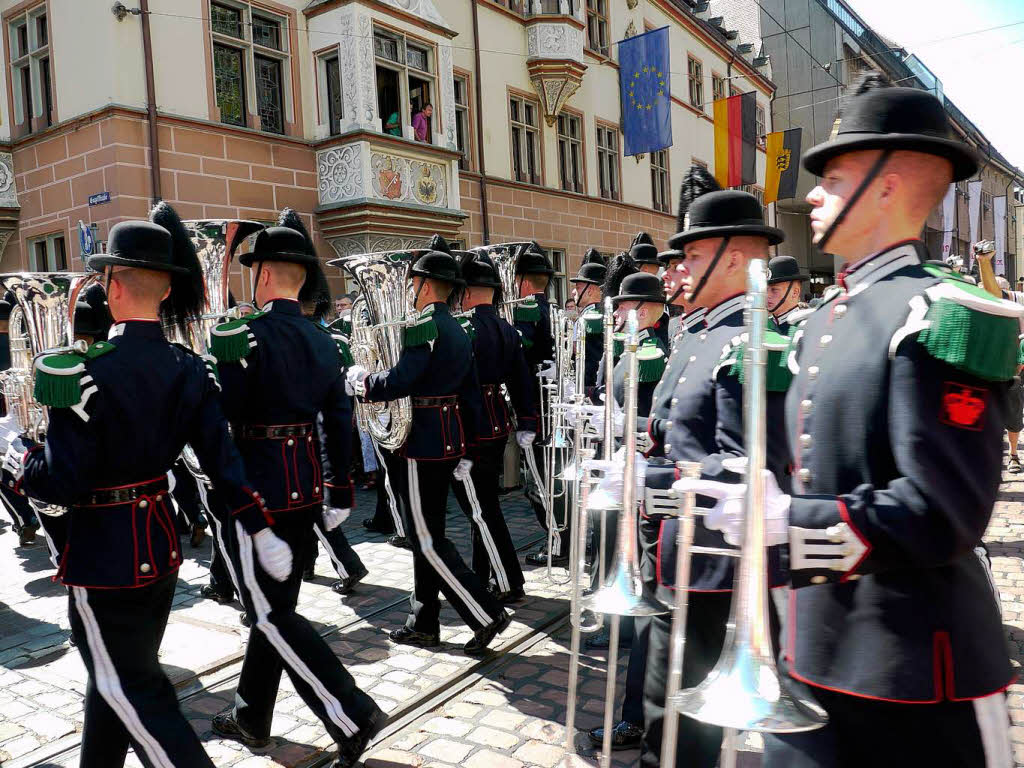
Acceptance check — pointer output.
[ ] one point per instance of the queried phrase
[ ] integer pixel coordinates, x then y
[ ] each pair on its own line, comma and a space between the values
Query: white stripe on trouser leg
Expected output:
553, 536
262, 607
389, 492
427, 547
994, 725
221, 544
485, 535
330, 552
109, 684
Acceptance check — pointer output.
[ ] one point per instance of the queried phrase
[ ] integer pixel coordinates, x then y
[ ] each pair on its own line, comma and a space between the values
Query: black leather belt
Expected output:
272, 431
125, 494
434, 402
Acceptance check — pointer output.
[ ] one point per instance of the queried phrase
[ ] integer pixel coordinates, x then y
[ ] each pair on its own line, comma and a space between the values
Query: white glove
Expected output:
525, 438
461, 472
275, 555
355, 380
13, 460
727, 515
618, 420
610, 488
547, 370
335, 516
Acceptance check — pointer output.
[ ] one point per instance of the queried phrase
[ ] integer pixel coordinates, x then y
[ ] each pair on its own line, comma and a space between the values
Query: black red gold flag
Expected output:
736, 140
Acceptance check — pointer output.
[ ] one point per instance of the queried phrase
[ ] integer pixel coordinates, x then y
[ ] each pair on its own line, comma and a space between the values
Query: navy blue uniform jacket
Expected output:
498, 352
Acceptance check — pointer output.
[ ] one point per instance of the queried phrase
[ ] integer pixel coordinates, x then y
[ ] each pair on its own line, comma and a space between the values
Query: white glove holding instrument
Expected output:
335, 516
461, 472
275, 555
727, 515
355, 380
525, 438
13, 460
610, 488
618, 419
547, 370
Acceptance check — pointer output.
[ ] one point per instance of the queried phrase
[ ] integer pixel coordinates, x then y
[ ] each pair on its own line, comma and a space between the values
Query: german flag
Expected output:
735, 140
782, 166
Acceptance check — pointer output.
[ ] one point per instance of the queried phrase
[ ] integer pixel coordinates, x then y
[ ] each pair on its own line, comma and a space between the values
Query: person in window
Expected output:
393, 125
421, 122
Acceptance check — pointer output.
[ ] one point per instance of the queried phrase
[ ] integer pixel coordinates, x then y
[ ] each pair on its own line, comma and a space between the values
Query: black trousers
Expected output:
883, 734
282, 640
344, 559
382, 518
437, 566
19, 508
535, 495
390, 512
223, 577
187, 497
128, 699
493, 550
636, 670
698, 745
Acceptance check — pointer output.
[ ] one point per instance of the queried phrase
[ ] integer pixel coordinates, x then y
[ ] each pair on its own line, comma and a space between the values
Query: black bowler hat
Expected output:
783, 269
666, 256
879, 117
278, 244
138, 244
641, 286
437, 265
727, 213
533, 261
592, 270
643, 250
477, 270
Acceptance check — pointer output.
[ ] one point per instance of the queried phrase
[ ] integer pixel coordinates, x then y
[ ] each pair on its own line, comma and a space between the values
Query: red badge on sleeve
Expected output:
963, 406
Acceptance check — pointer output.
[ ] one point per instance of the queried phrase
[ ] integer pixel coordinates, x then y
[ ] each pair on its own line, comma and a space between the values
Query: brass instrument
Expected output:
744, 691
379, 318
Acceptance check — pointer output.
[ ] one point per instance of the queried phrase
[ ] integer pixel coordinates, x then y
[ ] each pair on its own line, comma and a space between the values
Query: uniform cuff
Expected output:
339, 496
252, 514
824, 544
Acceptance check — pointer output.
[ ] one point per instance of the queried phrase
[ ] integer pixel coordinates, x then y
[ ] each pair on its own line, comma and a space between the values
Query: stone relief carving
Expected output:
557, 41
8, 190
340, 174
367, 70
349, 246
424, 9
448, 96
4, 239
393, 177
631, 29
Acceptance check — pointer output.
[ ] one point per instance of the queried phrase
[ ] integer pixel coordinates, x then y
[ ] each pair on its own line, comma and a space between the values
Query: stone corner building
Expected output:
258, 104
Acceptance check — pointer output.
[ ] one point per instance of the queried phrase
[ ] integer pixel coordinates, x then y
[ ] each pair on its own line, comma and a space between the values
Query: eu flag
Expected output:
646, 92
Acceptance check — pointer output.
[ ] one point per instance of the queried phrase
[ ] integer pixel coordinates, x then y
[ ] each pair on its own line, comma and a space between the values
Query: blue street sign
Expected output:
99, 197
85, 238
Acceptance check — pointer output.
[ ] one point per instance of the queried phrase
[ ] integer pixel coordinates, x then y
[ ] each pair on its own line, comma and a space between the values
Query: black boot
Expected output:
352, 748
347, 584
406, 636
225, 726
482, 637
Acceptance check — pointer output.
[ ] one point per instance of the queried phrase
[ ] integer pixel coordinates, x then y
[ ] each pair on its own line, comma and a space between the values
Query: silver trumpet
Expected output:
744, 691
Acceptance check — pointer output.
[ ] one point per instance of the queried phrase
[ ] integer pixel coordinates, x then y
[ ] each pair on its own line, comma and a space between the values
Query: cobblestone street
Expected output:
446, 709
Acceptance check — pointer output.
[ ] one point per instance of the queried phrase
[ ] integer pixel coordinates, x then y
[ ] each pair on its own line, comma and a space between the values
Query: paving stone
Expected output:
447, 726
491, 737
445, 749
538, 753
486, 758
502, 719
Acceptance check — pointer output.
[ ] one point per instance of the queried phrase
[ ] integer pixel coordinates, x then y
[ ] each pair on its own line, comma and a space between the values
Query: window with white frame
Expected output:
717, 87
250, 65
597, 26
570, 152
30, 69
405, 83
329, 74
559, 281
608, 161
525, 131
660, 194
47, 254
759, 125
462, 128
695, 75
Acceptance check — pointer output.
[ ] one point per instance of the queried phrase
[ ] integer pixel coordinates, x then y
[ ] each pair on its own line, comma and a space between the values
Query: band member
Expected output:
586, 289
720, 232
436, 370
646, 258
500, 362
785, 285
120, 415
896, 420
279, 373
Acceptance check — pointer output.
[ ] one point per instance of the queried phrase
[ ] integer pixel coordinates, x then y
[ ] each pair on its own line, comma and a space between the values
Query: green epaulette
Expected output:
593, 323
1020, 353
527, 343
467, 327
968, 328
423, 330
344, 350
232, 341
527, 311
58, 378
651, 360
777, 373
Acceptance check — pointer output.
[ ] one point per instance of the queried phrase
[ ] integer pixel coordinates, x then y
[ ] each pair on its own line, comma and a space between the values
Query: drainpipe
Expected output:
480, 125
154, 141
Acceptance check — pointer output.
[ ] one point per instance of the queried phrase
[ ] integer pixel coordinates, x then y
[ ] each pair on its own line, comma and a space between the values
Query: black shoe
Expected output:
509, 597
27, 534
350, 750
225, 726
309, 574
372, 527
198, 533
406, 636
347, 584
211, 592
540, 557
599, 640
482, 637
625, 735
1013, 465
400, 541
244, 619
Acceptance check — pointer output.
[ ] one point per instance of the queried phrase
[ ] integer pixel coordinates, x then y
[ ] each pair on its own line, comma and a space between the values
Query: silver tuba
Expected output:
504, 257
42, 323
379, 316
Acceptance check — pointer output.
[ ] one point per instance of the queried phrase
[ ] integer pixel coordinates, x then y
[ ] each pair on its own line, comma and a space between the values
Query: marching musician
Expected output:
785, 285
500, 362
120, 415
895, 418
645, 257
719, 233
281, 375
436, 370
586, 289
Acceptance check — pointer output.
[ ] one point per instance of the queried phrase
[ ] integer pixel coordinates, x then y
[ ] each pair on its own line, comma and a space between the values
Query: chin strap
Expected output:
871, 175
416, 295
707, 272
785, 296
255, 281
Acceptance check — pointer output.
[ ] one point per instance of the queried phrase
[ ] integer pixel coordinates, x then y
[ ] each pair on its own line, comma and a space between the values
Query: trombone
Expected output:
744, 691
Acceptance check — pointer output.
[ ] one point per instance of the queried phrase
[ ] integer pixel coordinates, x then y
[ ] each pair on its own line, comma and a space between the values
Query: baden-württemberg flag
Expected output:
735, 140
782, 165
646, 92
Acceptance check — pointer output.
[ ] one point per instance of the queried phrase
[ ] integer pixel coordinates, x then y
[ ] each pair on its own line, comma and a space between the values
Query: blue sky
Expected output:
981, 71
